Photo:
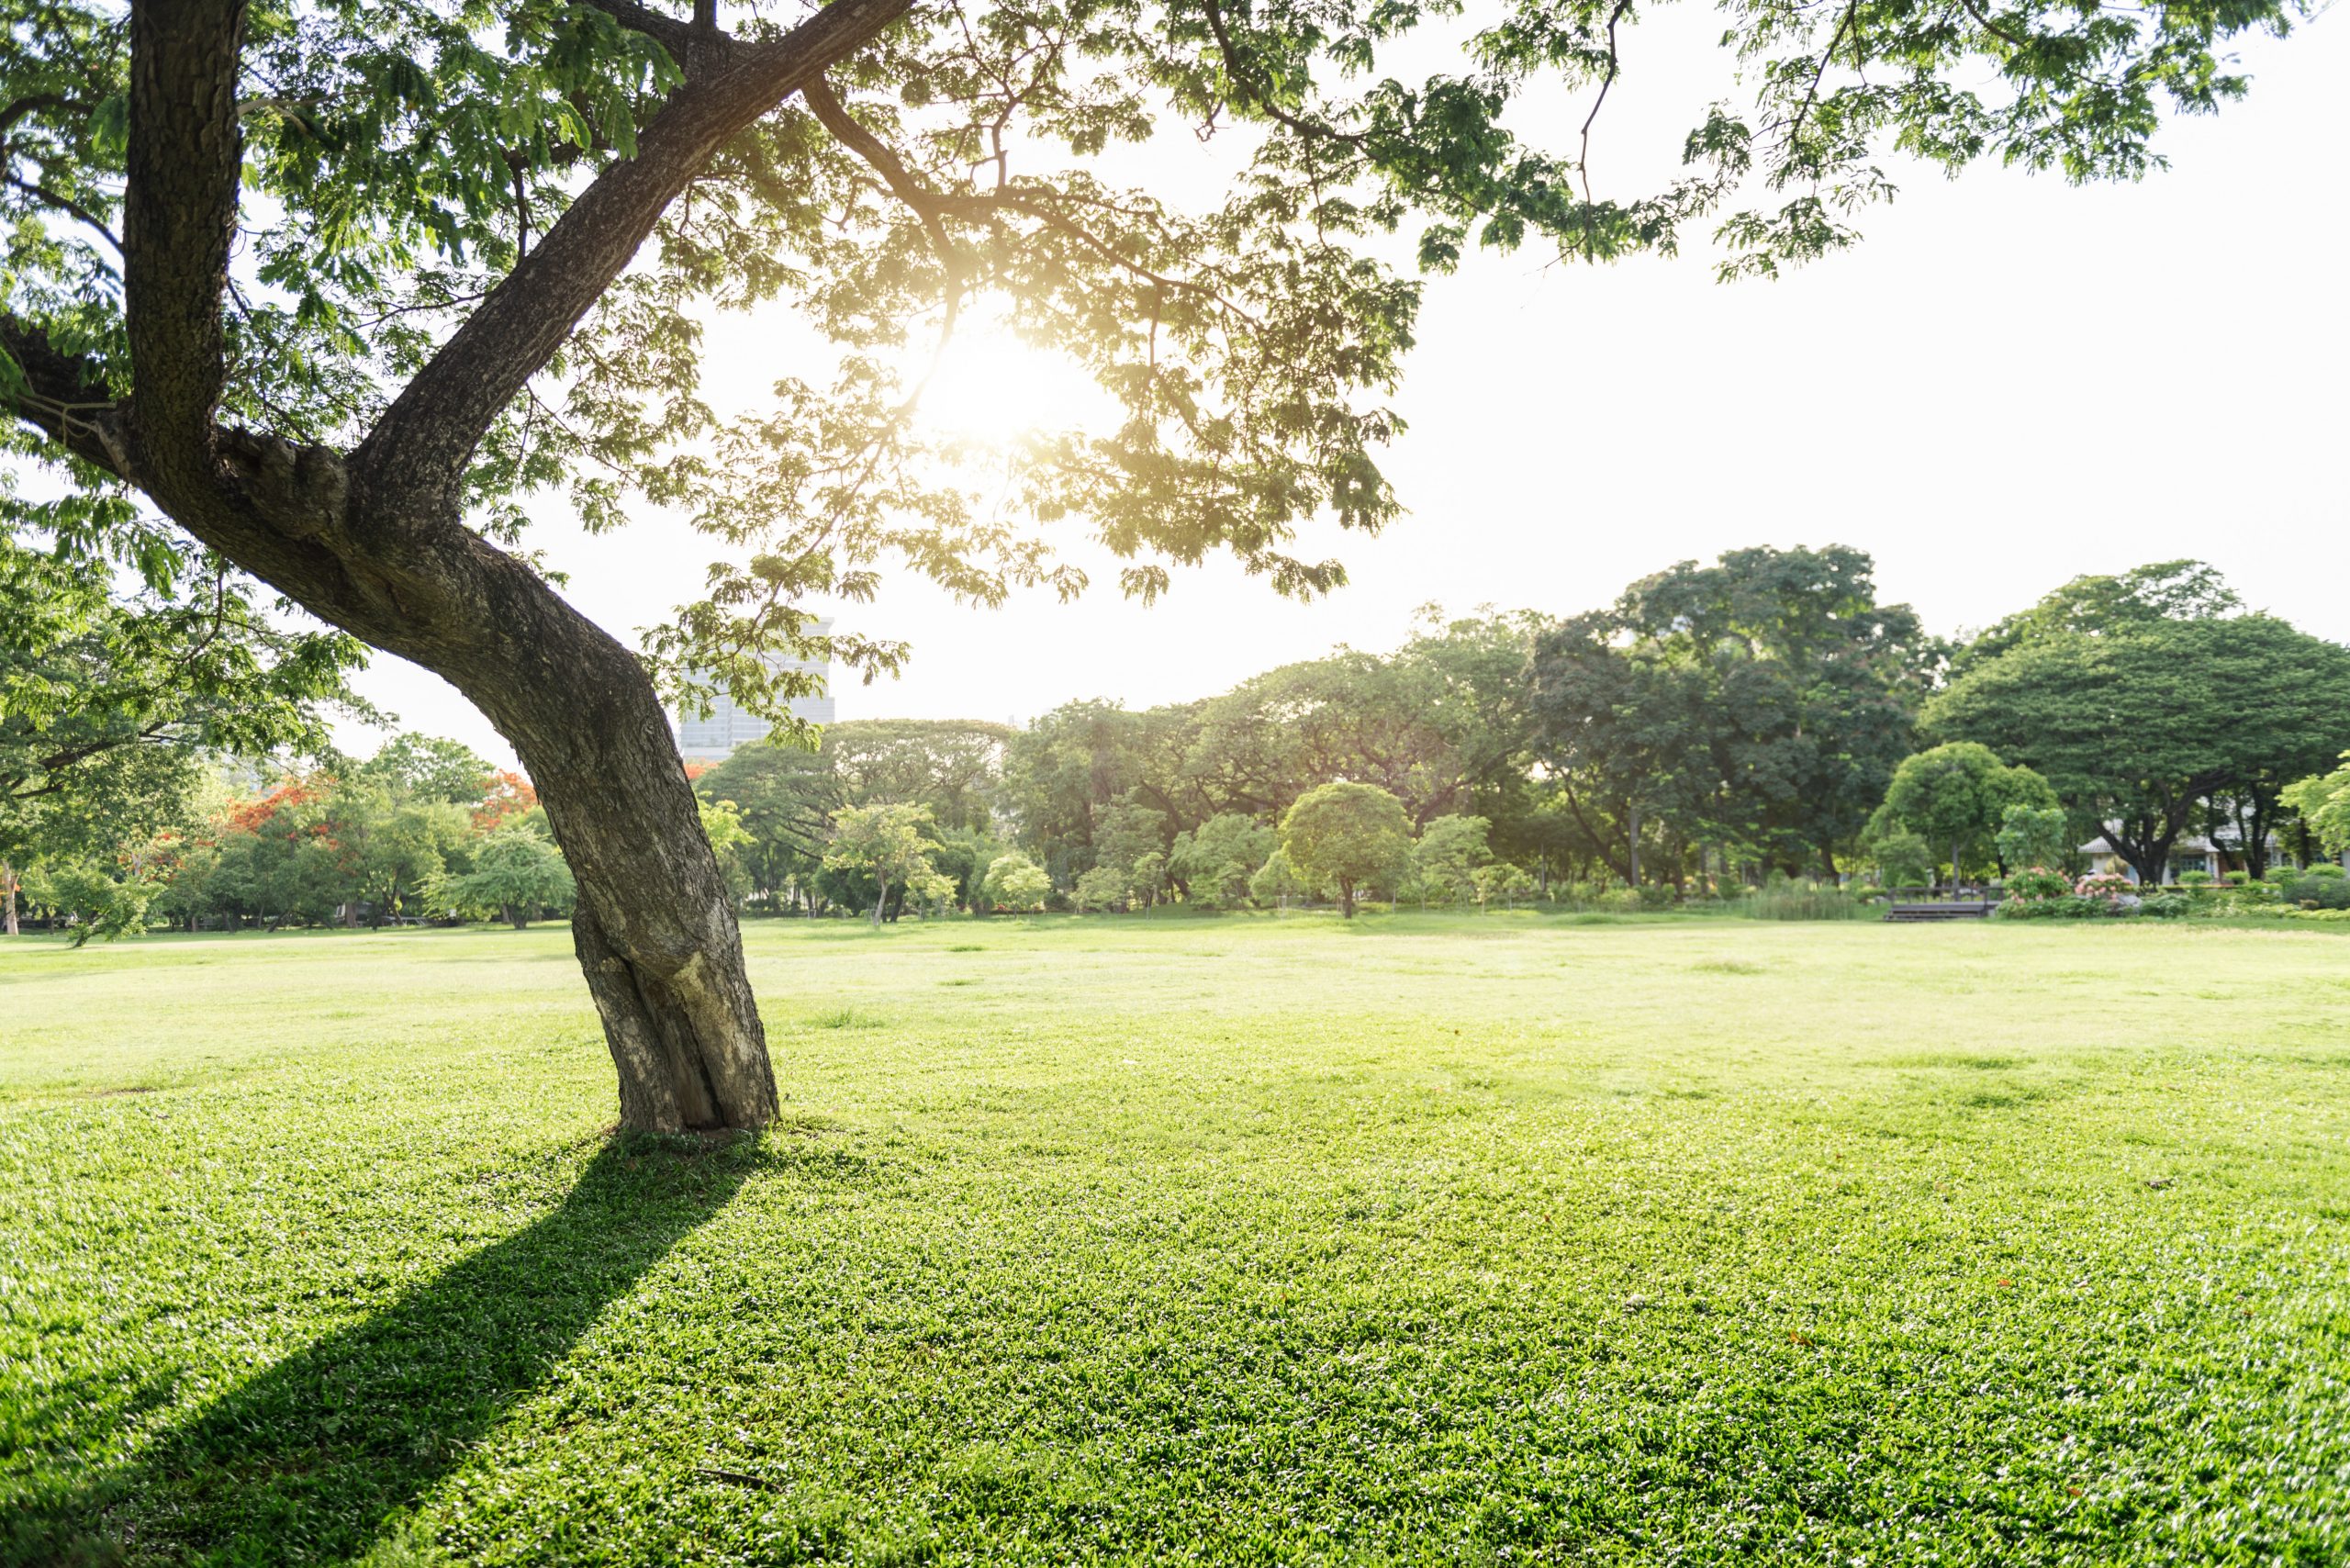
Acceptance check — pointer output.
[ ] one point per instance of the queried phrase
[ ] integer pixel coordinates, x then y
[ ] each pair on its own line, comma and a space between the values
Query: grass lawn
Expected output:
1430, 1239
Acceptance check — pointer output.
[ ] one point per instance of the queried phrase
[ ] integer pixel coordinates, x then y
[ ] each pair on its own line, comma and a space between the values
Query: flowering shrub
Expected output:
2042, 894
2039, 882
2111, 886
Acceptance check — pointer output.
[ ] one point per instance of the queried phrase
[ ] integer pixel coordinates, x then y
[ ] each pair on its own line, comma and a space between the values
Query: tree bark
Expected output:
9, 898
1345, 898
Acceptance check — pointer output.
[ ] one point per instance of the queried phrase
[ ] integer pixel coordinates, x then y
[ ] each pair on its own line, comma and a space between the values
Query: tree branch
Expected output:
413, 462
680, 38
1258, 99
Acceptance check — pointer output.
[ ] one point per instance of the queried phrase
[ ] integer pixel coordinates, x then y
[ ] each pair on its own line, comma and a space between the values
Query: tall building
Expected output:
728, 726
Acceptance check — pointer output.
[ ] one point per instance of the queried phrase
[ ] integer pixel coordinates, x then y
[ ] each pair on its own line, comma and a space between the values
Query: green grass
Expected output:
1494, 1239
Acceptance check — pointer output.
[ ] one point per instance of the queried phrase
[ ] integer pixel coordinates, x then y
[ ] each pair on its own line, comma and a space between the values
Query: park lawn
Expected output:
1241, 1240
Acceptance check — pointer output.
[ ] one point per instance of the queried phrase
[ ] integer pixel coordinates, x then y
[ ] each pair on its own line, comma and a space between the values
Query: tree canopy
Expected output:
2147, 724
1343, 836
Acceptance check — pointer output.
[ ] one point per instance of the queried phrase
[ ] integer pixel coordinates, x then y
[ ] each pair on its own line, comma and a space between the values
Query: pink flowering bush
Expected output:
2039, 882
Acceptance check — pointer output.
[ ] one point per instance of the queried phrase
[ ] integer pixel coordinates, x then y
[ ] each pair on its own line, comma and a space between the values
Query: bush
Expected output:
2039, 883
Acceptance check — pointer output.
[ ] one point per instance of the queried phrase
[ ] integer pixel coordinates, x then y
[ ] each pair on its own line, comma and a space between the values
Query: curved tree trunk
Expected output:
653, 928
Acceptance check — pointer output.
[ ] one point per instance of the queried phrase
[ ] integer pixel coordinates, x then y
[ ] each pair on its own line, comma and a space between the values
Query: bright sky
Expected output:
2007, 383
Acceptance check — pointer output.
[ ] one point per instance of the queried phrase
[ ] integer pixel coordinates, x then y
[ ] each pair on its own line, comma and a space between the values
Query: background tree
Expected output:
1631, 738
1345, 836
437, 209
1956, 795
1903, 859
2035, 835
2142, 726
516, 871
1213, 862
1102, 887
1015, 882
1449, 854
886, 843
2322, 799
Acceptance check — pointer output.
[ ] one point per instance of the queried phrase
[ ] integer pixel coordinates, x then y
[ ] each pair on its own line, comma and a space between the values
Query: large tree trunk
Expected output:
8, 897
654, 926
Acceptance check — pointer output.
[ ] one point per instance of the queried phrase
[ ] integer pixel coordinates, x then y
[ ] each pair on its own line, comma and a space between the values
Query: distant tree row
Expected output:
1717, 725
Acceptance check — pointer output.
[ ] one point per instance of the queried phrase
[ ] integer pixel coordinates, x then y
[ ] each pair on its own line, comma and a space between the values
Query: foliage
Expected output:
1277, 881
516, 873
721, 823
1345, 836
1102, 887
2146, 722
1790, 900
1446, 861
1903, 859
407, 163
1956, 796
2322, 801
889, 844
2033, 835
1215, 860
1758, 704
1016, 883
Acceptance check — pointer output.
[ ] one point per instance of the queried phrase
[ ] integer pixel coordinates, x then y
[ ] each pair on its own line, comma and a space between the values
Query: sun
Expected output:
991, 388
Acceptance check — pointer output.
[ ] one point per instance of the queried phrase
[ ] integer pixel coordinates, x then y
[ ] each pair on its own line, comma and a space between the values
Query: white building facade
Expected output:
727, 728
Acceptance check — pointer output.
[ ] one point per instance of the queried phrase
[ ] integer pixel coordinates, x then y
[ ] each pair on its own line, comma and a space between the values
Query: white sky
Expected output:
2011, 381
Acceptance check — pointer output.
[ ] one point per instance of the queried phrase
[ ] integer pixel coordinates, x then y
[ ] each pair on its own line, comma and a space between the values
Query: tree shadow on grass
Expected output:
311, 1459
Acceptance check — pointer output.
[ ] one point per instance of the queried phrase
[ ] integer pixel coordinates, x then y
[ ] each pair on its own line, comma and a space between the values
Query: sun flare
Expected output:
991, 388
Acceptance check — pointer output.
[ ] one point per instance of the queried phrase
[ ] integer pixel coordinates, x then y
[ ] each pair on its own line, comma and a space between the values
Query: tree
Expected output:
2141, 598
1762, 702
888, 844
427, 767
1451, 852
108, 699
784, 796
1903, 859
1015, 882
1277, 881
1104, 887
1215, 860
1955, 797
2324, 802
1344, 836
2034, 835
516, 871
1629, 734
950, 766
2144, 726
1499, 881
721, 823
464, 270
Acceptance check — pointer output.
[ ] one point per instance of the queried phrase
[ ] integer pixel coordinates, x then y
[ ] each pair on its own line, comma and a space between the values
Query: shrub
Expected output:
2039, 883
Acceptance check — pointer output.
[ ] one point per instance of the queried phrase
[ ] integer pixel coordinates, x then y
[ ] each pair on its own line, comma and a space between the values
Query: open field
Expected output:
1431, 1239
